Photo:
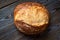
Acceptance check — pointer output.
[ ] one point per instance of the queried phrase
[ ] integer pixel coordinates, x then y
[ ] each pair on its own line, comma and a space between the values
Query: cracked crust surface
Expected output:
33, 14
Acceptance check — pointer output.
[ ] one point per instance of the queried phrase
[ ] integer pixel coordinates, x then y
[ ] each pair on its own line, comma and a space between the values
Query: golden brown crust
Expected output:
26, 27
29, 29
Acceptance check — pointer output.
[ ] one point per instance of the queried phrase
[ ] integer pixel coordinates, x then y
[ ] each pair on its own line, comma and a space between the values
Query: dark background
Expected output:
8, 31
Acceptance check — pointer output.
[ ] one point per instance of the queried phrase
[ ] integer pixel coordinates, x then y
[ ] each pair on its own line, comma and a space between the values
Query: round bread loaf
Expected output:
31, 18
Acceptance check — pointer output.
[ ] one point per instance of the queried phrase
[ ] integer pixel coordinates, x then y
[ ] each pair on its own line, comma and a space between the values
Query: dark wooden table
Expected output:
8, 31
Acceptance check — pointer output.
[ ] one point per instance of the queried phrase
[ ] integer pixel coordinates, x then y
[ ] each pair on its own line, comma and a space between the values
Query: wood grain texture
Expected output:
4, 3
8, 31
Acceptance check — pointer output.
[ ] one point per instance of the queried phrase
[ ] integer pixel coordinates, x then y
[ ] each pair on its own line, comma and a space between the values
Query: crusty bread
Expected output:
31, 17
